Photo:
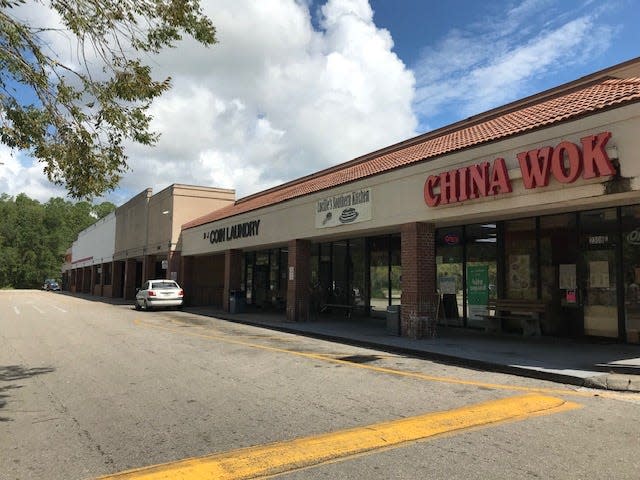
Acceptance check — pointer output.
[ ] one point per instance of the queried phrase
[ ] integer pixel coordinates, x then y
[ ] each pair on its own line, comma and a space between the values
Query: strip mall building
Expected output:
537, 200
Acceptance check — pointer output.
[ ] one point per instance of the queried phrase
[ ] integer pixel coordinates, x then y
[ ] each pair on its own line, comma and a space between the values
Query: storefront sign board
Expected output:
566, 162
344, 209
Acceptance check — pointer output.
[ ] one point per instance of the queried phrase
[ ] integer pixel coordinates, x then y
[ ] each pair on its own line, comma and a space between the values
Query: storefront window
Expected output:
521, 272
282, 287
631, 266
358, 271
482, 254
325, 273
379, 273
249, 260
314, 266
395, 269
449, 258
274, 276
261, 279
339, 287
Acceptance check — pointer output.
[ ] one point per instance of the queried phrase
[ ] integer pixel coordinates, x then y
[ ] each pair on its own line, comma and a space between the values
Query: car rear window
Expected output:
168, 284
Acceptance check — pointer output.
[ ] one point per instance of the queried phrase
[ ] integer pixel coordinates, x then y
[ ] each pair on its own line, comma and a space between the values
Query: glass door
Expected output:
598, 272
482, 266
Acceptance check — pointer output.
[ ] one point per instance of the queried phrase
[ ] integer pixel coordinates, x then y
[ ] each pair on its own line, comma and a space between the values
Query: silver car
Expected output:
159, 293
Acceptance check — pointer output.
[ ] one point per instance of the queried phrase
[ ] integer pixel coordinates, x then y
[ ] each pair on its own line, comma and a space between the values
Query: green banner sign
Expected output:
478, 284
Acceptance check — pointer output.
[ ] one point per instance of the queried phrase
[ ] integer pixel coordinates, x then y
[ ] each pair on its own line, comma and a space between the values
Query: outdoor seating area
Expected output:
526, 313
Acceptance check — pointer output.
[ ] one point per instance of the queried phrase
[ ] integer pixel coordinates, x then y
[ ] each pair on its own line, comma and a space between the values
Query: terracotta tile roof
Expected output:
604, 94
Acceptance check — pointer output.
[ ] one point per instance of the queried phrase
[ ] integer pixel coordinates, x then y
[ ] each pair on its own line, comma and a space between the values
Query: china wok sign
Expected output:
566, 162
344, 208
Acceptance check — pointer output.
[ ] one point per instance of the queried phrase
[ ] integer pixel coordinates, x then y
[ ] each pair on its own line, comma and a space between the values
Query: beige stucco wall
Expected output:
397, 196
150, 224
159, 233
131, 226
170, 208
192, 202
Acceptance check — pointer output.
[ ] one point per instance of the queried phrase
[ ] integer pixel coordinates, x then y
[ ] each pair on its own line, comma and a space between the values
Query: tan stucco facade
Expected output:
595, 164
397, 197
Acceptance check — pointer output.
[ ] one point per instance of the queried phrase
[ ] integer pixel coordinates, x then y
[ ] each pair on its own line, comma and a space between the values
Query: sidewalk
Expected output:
593, 364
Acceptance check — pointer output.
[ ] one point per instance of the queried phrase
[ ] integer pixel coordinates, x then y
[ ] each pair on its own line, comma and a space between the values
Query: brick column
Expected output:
101, 287
299, 288
116, 279
92, 279
148, 267
418, 269
175, 260
185, 279
232, 275
130, 279
86, 280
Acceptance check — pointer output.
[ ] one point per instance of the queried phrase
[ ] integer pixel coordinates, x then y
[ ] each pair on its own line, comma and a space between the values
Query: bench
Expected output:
328, 306
527, 312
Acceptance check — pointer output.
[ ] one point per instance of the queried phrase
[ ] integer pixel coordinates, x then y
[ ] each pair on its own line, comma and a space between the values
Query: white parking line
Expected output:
61, 309
15, 309
41, 311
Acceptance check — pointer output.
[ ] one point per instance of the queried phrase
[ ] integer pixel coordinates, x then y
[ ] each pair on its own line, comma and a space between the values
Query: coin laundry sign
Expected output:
241, 230
566, 163
346, 208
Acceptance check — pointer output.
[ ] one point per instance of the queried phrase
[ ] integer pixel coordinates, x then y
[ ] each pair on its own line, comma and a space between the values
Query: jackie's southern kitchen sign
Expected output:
344, 208
566, 162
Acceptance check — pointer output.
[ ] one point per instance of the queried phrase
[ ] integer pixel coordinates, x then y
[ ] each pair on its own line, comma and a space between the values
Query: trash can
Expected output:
393, 319
236, 301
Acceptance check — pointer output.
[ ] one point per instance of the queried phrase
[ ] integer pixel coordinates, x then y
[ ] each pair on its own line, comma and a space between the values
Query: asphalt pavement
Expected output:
584, 362
592, 363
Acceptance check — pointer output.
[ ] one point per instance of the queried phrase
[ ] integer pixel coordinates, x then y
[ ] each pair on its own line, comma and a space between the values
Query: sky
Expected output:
296, 86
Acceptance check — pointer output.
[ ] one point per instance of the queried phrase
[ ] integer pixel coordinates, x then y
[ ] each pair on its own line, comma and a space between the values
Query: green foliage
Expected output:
34, 236
82, 110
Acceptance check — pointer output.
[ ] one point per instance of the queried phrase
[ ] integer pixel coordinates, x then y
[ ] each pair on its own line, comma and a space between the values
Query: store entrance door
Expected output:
598, 272
599, 293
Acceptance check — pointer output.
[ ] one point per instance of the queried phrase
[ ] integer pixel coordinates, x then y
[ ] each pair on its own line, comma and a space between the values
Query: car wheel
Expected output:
138, 307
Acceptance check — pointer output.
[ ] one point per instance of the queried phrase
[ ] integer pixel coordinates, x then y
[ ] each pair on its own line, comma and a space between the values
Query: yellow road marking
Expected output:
392, 371
304, 452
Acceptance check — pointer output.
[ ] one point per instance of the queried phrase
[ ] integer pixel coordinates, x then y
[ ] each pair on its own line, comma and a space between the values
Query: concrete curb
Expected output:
615, 381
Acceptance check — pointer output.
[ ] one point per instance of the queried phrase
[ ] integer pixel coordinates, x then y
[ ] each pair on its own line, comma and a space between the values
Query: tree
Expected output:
34, 237
103, 209
83, 110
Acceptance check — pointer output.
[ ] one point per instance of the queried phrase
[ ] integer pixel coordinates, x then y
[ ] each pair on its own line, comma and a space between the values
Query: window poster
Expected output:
567, 276
477, 290
447, 284
599, 274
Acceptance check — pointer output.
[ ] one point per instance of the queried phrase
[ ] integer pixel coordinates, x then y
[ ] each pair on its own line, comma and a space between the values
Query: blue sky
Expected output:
422, 30
295, 86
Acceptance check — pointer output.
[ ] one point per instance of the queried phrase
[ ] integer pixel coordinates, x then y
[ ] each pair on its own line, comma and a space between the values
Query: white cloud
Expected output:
495, 62
18, 176
273, 100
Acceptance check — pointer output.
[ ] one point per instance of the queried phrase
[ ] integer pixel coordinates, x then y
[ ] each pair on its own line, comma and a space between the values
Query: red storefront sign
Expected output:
566, 162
